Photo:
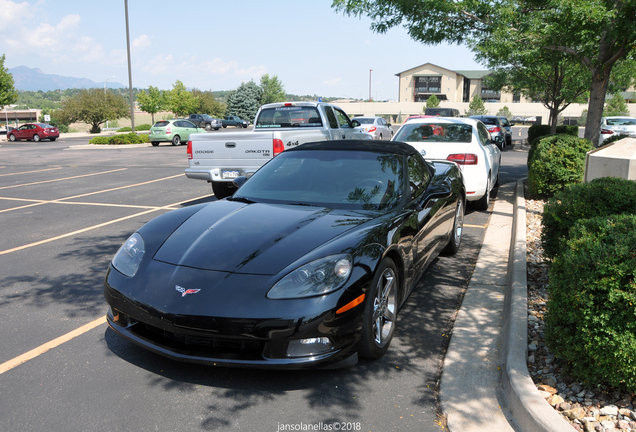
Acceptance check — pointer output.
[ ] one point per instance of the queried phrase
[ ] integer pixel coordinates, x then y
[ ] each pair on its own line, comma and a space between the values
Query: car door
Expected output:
344, 123
23, 132
492, 152
333, 125
187, 128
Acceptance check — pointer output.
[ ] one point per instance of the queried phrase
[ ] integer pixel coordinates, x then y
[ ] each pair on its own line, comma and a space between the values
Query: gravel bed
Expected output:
598, 409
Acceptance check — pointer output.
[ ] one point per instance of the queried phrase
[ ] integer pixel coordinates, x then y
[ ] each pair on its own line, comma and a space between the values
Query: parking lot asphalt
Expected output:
65, 210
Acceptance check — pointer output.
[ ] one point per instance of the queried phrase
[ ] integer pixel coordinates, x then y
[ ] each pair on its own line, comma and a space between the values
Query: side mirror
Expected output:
388, 124
240, 181
355, 123
512, 124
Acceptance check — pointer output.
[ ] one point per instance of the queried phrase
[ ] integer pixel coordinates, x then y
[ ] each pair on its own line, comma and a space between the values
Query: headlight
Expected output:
316, 278
129, 255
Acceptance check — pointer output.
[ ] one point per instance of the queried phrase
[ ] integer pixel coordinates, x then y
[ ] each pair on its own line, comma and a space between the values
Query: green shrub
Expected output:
557, 161
125, 129
143, 127
613, 138
600, 197
591, 317
538, 131
99, 140
129, 138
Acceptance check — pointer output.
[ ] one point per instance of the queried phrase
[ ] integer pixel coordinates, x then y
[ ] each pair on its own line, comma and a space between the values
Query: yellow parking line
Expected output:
29, 172
8, 365
65, 178
475, 226
83, 230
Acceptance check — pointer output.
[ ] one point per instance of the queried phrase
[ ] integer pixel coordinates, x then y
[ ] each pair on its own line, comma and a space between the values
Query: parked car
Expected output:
496, 128
617, 125
34, 132
233, 120
418, 117
442, 112
464, 141
305, 266
508, 126
206, 121
376, 126
175, 131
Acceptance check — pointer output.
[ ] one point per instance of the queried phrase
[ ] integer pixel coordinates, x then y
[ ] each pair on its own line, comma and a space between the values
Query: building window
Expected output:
427, 84
489, 95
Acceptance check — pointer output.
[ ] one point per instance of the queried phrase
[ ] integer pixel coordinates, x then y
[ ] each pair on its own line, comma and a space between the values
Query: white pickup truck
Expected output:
220, 158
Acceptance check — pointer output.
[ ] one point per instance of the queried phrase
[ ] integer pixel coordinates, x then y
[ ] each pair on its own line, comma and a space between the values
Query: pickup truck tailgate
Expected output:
232, 146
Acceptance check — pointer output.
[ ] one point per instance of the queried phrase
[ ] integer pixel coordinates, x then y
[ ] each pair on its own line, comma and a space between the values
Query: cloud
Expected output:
141, 43
12, 14
333, 82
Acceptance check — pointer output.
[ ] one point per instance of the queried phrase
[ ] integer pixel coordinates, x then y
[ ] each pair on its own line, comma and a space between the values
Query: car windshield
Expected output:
365, 120
163, 123
288, 116
435, 132
356, 180
621, 122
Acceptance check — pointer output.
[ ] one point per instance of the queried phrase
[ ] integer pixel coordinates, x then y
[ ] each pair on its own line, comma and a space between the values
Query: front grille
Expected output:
204, 346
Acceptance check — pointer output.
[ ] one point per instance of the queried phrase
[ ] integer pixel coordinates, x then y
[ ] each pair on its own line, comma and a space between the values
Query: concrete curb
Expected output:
531, 412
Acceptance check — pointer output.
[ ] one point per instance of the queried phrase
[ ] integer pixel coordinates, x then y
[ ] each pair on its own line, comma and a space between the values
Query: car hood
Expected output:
253, 238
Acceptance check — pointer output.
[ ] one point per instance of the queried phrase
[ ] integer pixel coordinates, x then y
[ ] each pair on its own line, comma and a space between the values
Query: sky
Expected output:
217, 45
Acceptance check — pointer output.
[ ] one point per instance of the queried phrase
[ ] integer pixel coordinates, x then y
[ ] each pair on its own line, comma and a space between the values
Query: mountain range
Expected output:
29, 79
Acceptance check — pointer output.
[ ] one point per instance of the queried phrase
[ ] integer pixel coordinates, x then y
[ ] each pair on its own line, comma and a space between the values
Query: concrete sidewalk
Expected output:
485, 384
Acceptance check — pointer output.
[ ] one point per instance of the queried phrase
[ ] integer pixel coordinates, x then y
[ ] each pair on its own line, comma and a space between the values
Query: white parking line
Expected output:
65, 178
83, 230
28, 172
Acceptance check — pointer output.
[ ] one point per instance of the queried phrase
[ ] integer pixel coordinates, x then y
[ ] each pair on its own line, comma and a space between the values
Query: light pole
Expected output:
105, 84
132, 111
370, 70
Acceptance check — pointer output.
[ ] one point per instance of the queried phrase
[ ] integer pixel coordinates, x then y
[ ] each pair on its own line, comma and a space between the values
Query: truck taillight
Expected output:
189, 149
463, 158
279, 147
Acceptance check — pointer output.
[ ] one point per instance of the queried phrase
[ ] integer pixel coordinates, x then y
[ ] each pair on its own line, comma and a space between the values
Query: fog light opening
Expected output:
309, 346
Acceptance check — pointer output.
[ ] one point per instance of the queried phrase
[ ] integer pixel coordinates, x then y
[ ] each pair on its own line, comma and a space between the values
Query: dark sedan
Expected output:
306, 265
34, 132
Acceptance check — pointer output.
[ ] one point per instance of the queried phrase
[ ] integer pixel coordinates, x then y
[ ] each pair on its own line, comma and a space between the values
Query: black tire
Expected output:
223, 189
52, 139
208, 127
380, 312
458, 227
238, 125
11, 137
176, 140
484, 202
224, 126
217, 128
154, 143
36, 138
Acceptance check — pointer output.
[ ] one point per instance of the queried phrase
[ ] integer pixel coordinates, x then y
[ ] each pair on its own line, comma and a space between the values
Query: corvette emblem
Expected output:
184, 292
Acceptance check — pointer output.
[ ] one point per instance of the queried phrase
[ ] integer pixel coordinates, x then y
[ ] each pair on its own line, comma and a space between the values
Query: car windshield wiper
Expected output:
241, 199
304, 204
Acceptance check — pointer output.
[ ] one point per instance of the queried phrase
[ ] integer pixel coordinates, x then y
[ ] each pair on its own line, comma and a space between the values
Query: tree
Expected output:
8, 93
505, 112
93, 106
553, 79
180, 101
432, 102
595, 33
273, 90
244, 101
476, 107
616, 106
207, 104
152, 101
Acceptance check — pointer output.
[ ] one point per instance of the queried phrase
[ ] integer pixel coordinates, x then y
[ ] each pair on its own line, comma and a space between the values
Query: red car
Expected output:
34, 132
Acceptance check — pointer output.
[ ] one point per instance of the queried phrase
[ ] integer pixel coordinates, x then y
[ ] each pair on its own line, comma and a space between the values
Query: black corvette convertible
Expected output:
306, 265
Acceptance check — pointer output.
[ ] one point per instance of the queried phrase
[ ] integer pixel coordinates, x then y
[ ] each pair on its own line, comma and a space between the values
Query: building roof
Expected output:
470, 74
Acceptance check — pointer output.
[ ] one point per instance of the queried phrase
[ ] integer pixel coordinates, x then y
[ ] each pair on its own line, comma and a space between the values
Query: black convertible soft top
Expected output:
359, 145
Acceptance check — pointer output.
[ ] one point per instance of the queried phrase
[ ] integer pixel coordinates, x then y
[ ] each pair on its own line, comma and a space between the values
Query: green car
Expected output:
174, 131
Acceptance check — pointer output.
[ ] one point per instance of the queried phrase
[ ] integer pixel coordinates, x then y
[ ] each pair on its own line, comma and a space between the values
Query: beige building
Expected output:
421, 82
